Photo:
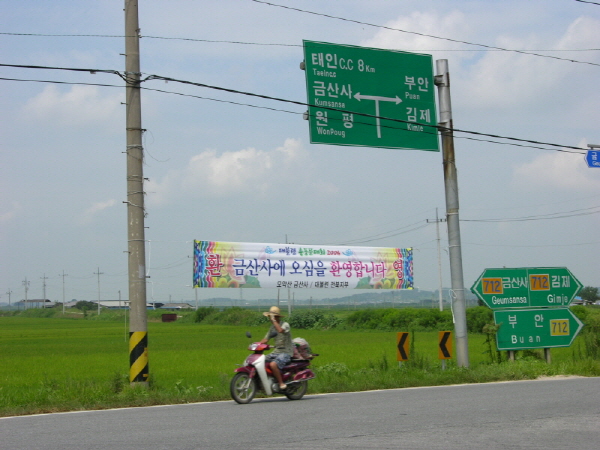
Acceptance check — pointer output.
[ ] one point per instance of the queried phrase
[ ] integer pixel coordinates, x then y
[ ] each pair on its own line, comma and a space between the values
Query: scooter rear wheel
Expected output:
296, 391
242, 388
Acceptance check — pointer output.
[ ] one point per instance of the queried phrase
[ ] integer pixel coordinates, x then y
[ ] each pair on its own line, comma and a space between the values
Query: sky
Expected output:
223, 166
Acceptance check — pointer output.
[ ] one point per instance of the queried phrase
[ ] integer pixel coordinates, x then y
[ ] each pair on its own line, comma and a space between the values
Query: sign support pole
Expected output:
138, 326
442, 81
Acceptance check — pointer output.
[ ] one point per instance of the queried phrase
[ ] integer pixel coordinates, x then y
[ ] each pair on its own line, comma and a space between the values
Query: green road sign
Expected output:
526, 287
370, 97
536, 328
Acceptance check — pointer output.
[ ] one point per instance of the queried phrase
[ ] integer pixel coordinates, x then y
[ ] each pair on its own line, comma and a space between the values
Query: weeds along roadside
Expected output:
72, 364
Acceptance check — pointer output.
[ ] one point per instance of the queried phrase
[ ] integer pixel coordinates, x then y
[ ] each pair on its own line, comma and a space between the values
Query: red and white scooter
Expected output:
255, 375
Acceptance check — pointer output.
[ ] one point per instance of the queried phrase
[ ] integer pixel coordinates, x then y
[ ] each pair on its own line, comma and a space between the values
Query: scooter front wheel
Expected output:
296, 391
242, 388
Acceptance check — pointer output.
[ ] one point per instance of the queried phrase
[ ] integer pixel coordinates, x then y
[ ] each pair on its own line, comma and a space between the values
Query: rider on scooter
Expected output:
282, 355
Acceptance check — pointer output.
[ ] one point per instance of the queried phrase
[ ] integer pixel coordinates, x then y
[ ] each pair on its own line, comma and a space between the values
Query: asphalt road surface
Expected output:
544, 414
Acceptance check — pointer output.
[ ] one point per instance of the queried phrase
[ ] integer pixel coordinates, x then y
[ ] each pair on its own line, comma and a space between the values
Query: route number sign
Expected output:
536, 328
526, 287
370, 97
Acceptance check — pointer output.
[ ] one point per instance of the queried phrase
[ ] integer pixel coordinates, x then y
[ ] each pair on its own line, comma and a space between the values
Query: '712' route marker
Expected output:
536, 328
526, 287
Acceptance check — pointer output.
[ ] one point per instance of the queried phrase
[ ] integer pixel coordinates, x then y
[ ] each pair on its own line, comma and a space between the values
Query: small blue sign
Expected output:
593, 158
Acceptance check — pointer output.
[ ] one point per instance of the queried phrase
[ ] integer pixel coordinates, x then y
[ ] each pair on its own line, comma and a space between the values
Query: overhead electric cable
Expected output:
256, 106
304, 104
557, 215
329, 16
532, 246
392, 234
272, 44
63, 82
74, 69
441, 128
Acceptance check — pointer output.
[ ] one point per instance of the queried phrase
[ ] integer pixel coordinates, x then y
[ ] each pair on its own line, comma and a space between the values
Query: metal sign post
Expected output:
442, 81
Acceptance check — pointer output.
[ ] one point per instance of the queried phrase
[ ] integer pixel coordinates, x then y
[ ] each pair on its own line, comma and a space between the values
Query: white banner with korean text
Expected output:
254, 265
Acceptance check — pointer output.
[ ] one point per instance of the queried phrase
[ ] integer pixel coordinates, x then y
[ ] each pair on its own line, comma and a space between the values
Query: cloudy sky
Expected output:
231, 167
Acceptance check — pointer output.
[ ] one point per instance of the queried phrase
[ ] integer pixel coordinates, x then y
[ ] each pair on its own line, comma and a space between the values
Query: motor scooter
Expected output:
256, 375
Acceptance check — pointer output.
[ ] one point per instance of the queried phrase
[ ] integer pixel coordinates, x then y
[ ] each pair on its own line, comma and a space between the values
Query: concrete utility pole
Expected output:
442, 81
26, 285
138, 322
437, 229
63, 277
98, 273
44, 290
9, 292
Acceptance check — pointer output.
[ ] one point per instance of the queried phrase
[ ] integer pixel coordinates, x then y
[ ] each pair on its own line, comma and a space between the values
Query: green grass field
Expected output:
59, 364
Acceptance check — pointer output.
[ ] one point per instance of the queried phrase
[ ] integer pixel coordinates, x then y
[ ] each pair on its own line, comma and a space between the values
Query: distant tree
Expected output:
589, 294
84, 305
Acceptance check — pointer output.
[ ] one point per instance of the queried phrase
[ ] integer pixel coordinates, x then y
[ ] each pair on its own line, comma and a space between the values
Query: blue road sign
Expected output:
593, 158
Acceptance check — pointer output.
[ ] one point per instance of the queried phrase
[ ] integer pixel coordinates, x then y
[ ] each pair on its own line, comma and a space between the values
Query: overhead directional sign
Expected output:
536, 328
526, 287
370, 97
402, 340
445, 345
593, 158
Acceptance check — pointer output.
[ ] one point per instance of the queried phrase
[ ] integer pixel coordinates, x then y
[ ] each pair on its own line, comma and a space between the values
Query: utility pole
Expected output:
63, 285
44, 290
136, 248
9, 292
437, 229
26, 285
98, 273
442, 81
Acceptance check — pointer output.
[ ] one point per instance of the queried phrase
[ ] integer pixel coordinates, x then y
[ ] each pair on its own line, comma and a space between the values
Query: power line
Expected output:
523, 52
63, 82
273, 44
585, 1
73, 69
427, 126
532, 246
379, 237
558, 215
561, 147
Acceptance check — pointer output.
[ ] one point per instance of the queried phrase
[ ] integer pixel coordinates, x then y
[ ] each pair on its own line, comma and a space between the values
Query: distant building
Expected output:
176, 306
35, 303
124, 304
114, 304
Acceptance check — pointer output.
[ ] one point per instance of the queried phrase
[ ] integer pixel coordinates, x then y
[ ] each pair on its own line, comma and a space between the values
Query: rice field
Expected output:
68, 364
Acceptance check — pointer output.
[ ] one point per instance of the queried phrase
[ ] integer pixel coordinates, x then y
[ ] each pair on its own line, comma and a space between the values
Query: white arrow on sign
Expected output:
358, 96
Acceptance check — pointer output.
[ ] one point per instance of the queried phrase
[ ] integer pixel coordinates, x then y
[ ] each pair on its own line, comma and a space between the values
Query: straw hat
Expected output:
274, 311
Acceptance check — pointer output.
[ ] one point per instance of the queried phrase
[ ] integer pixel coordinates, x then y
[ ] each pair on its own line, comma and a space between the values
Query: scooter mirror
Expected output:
248, 335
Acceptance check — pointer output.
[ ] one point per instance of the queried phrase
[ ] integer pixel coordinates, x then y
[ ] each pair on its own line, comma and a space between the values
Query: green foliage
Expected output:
38, 312
313, 319
400, 319
490, 331
334, 368
84, 305
65, 363
589, 294
478, 318
580, 311
235, 316
203, 313
591, 334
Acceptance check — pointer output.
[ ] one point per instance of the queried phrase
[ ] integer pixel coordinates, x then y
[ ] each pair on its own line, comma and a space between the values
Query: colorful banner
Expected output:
252, 265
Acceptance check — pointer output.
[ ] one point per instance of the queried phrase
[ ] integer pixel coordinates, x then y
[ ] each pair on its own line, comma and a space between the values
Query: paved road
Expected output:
549, 414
